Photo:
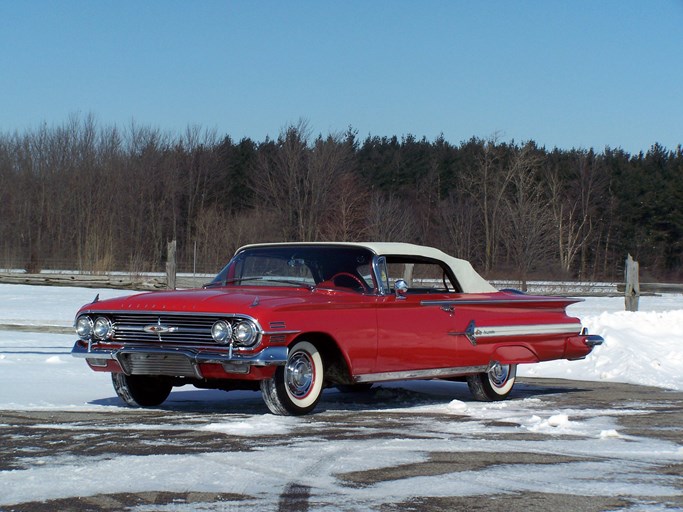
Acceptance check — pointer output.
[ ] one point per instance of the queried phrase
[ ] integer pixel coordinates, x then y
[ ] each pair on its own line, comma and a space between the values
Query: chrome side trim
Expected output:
432, 373
525, 330
473, 333
475, 302
469, 333
271, 333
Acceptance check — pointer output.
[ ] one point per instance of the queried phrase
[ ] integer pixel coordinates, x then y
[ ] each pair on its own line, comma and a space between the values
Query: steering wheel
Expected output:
349, 275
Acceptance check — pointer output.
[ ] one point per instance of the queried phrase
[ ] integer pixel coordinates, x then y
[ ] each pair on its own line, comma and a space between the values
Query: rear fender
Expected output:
578, 347
514, 354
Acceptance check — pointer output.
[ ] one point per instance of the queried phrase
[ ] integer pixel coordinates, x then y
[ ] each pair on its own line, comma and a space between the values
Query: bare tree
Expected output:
299, 183
529, 221
458, 224
390, 219
572, 201
487, 183
219, 234
426, 201
346, 218
8, 194
194, 160
330, 187
149, 196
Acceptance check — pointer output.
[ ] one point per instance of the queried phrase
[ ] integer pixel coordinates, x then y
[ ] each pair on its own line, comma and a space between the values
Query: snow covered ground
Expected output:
37, 373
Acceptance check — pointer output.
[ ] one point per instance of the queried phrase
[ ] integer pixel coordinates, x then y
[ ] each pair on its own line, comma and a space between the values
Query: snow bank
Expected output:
644, 347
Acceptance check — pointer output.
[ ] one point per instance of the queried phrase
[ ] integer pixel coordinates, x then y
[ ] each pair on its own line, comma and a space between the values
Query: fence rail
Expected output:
118, 280
157, 281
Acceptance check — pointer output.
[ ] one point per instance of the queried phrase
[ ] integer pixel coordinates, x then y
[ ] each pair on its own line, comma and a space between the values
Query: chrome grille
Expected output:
193, 329
158, 364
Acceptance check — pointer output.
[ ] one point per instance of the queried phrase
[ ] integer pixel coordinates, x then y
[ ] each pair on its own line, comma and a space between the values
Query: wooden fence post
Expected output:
170, 266
632, 289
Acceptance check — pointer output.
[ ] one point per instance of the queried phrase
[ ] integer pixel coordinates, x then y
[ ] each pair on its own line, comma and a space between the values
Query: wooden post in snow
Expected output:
632, 289
170, 266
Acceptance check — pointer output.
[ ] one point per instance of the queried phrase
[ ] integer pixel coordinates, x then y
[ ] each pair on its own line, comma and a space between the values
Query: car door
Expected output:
410, 334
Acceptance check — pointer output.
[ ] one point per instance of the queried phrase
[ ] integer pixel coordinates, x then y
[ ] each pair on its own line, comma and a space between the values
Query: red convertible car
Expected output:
294, 318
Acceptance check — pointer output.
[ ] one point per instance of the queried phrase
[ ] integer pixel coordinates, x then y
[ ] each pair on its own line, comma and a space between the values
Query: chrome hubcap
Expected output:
299, 375
498, 374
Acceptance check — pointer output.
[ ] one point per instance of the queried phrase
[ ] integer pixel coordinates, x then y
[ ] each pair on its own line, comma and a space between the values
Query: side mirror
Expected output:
401, 289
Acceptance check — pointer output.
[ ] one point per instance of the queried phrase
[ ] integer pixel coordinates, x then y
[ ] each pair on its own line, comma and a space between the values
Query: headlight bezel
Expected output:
103, 328
241, 332
84, 326
222, 332
246, 333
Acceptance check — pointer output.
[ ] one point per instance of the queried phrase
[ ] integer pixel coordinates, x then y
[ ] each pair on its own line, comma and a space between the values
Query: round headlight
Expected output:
84, 327
221, 332
102, 328
245, 333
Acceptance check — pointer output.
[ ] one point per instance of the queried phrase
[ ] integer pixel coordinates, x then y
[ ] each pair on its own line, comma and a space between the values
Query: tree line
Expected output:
100, 198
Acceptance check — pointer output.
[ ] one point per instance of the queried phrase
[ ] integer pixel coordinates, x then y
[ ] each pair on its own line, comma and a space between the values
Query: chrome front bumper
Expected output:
182, 361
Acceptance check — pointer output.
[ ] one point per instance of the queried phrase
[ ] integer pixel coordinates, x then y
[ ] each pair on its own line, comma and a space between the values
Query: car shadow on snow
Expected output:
382, 396
191, 400
406, 394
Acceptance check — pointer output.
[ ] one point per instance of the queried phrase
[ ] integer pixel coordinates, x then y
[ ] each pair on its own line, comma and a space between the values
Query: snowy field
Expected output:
646, 348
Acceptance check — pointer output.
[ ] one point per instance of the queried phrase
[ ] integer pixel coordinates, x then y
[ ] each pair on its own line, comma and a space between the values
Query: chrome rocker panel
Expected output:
433, 373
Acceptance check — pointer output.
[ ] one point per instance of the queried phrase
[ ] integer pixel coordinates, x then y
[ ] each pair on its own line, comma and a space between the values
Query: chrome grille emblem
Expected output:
159, 328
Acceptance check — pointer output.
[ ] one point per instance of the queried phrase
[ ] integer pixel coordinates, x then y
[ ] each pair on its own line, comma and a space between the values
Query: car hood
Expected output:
222, 300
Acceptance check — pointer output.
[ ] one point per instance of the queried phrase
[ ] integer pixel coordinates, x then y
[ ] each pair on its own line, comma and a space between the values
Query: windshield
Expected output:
300, 265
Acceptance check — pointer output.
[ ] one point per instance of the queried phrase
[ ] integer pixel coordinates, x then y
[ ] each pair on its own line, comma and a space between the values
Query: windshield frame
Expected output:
319, 259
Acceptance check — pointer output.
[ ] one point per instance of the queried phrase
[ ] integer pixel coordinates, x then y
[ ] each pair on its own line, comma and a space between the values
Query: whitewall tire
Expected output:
296, 387
493, 385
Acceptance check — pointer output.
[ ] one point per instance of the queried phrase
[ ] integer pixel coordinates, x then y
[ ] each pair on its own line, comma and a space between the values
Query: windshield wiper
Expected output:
225, 282
294, 283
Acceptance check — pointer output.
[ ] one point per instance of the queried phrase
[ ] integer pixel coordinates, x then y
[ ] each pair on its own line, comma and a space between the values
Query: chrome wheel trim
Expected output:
299, 375
499, 375
501, 379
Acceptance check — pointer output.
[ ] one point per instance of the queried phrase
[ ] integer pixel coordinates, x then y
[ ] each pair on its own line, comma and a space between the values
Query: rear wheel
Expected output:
141, 390
296, 387
496, 384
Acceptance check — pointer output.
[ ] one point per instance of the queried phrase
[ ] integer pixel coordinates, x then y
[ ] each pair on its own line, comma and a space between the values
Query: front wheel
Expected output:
496, 384
296, 387
141, 390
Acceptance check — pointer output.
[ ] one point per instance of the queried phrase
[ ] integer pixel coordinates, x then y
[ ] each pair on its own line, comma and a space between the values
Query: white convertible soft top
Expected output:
469, 279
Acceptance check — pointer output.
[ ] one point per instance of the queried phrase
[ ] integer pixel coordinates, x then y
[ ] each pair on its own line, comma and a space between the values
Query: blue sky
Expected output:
563, 73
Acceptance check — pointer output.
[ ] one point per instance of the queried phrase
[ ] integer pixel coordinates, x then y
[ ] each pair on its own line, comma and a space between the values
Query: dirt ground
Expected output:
26, 435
